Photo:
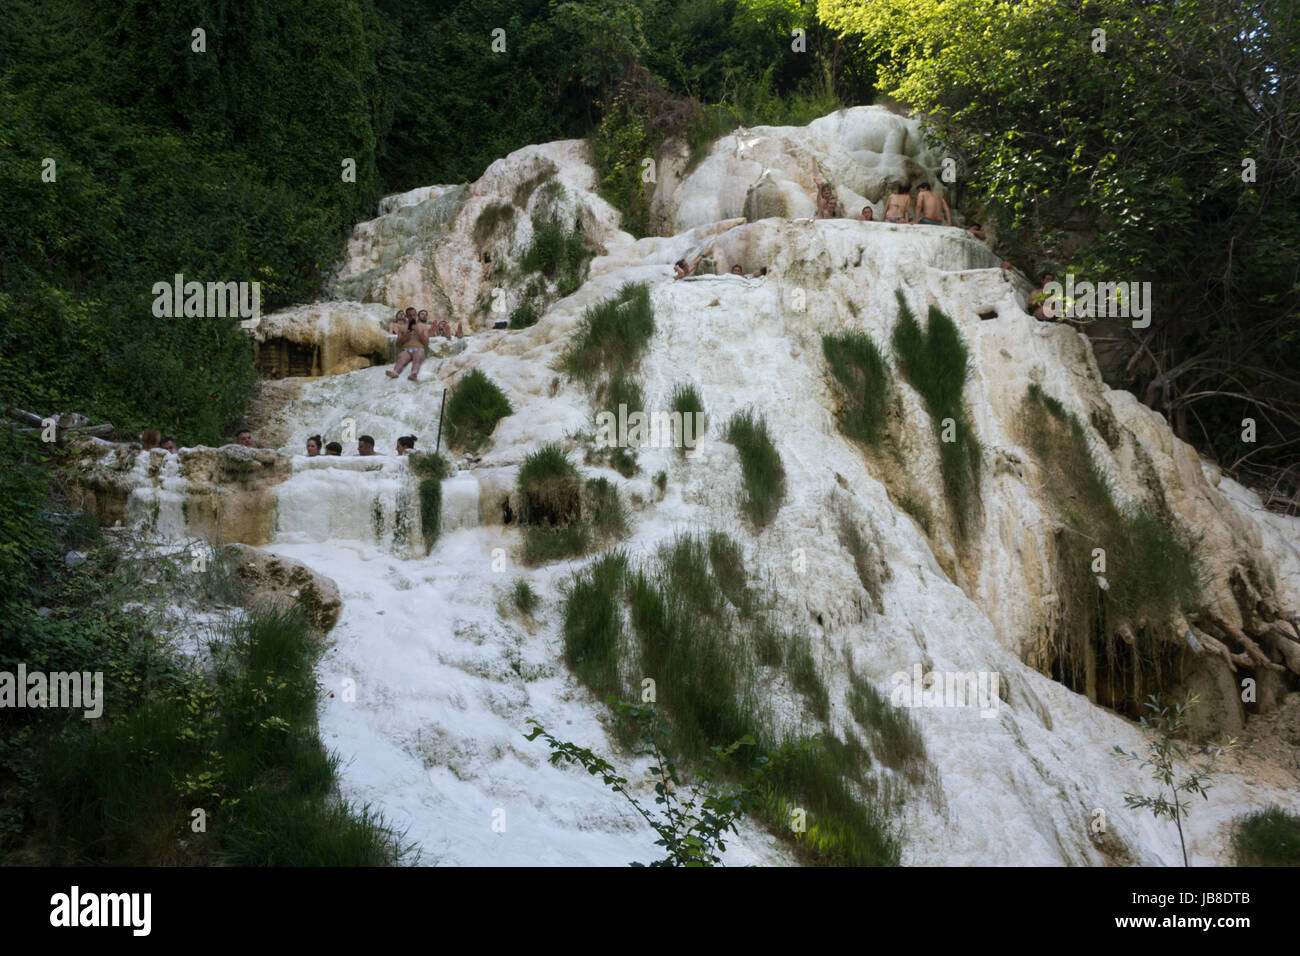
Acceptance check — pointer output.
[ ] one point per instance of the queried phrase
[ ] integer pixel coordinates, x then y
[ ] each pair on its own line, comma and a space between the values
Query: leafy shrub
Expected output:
1269, 837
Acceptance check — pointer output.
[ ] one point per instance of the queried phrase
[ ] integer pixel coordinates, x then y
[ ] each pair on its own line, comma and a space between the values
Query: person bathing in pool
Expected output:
411, 343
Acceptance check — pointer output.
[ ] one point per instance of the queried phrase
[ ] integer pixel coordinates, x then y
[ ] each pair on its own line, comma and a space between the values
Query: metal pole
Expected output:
438, 447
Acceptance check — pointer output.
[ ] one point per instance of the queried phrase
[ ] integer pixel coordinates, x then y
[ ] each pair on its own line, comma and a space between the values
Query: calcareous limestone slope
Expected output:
447, 674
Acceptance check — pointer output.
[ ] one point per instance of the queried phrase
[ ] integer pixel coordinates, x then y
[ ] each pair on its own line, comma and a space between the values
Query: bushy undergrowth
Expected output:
559, 253
760, 465
863, 376
936, 363
1269, 837
1151, 568
475, 407
688, 618
239, 742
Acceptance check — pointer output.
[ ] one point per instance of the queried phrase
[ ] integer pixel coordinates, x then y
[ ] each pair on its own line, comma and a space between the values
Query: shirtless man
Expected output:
411, 343
929, 207
899, 204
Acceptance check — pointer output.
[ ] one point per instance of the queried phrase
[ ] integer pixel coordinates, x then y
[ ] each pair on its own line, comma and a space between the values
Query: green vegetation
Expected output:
1069, 164
492, 218
699, 630
243, 746
695, 820
871, 568
525, 597
593, 624
1166, 756
935, 362
620, 389
1269, 837
239, 741
612, 335
893, 731
863, 376
685, 400
604, 509
524, 315
1150, 566
431, 469
562, 515
661, 481
475, 407
760, 464
558, 253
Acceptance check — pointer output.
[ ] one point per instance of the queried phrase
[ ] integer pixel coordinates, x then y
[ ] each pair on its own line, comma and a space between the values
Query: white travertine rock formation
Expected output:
448, 674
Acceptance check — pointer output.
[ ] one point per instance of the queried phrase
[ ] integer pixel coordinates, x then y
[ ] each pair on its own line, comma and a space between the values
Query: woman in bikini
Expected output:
411, 344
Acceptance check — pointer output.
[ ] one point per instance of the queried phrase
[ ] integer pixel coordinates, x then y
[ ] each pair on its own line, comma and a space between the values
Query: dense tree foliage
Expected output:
1121, 155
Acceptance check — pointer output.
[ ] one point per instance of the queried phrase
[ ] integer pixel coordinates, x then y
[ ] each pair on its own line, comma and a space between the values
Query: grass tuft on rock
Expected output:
936, 363
862, 374
475, 407
760, 465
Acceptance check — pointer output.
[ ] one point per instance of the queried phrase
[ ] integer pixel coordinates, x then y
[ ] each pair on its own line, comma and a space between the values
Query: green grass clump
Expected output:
872, 571
936, 363
593, 623
1269, 837
894, 731
1151, 567
612, 334
525, 597
697, 630
430, 468
603, 509
550, 488
524, 315
490, 219
863, 376
620, 389
807, 680
624, 462
558, 253
760, 464
545, 543
475, 407
686, 401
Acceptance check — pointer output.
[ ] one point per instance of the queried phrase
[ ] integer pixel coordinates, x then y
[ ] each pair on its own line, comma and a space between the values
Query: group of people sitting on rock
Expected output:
682, 268
413, 330
365, 447
151, 438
